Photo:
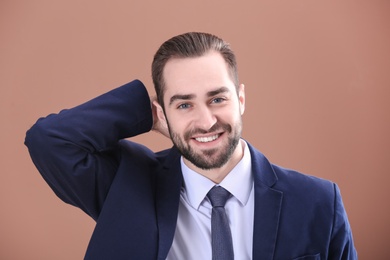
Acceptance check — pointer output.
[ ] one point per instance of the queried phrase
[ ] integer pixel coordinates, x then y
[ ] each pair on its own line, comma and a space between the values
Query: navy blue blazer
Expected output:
133, 193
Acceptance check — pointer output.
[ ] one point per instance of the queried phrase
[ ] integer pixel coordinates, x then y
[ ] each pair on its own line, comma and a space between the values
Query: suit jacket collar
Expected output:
268, 203
169, 183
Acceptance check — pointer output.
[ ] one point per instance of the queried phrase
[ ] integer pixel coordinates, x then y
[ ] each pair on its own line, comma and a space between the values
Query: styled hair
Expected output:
190, 45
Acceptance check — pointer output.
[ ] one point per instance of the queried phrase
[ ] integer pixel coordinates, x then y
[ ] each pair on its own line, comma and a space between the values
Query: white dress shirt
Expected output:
192, 238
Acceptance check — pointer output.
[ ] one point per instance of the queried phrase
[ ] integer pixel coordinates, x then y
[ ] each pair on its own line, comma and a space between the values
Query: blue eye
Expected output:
184, 106
217, 100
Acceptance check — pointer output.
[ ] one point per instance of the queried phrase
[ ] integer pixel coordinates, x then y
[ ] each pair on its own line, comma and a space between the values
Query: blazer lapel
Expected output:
169, 182
268, 203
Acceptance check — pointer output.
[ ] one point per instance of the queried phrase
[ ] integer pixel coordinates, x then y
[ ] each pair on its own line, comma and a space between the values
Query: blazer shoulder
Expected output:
284, 179
294, 176
305, 191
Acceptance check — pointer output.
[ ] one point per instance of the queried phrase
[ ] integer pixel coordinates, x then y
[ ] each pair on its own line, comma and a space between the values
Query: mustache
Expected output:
215, 128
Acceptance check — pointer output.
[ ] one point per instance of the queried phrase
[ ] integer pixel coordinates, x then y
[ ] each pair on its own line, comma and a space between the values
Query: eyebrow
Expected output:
192, 96
181, 97
217, 91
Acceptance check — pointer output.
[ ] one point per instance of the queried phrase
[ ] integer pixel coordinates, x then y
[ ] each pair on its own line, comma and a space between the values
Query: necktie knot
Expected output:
218, 196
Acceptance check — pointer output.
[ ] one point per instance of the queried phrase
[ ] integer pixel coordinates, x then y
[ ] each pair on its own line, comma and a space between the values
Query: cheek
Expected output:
176, 125
230, 117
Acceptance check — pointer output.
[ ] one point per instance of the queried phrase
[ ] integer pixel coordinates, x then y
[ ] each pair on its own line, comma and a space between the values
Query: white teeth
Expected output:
206, 139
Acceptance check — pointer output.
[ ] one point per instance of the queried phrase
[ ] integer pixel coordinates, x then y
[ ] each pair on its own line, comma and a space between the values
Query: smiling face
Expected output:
203, 110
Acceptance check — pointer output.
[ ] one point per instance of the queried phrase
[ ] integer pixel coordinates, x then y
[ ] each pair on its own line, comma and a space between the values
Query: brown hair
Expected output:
192, 44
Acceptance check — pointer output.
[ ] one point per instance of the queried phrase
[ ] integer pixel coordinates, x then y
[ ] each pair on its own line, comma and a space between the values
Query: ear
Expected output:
241, 98
159, 114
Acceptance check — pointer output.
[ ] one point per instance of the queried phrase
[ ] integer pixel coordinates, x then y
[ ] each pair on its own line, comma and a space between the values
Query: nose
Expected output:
205, 118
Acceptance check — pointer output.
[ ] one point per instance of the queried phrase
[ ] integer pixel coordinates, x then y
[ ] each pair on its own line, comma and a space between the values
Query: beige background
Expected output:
317, 83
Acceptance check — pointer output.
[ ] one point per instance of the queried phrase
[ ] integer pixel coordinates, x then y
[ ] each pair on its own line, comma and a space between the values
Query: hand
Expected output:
159, 122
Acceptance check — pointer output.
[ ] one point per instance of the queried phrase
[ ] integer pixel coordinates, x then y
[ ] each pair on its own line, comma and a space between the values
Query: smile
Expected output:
207, 139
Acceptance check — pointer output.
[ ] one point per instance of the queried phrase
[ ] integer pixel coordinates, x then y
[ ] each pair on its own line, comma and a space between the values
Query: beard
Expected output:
210, 158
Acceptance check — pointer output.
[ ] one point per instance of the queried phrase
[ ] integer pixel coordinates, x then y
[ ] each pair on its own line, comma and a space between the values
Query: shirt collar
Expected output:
238, 182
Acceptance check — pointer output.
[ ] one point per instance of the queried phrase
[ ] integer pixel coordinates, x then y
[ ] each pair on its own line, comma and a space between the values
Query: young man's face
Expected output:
203, 110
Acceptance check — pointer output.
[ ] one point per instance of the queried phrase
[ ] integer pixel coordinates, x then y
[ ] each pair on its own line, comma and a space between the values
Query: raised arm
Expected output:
77, 150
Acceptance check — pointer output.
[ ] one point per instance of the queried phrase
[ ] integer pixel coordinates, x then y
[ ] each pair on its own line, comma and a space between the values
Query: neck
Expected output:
218, 174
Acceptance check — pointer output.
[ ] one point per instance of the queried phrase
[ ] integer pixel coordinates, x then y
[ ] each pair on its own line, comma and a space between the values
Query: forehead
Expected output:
196, 74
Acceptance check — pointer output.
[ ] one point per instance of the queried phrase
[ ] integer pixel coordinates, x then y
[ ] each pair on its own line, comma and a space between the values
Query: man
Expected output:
160, 205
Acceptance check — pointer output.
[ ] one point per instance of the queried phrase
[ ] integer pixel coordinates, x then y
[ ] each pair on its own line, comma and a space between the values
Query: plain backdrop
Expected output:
317, 84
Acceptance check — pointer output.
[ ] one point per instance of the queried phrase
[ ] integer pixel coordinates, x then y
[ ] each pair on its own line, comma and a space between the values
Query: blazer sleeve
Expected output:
77, 150
341, 244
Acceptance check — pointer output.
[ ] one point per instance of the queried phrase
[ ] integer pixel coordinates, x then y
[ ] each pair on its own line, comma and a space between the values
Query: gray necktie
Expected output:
221, 237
